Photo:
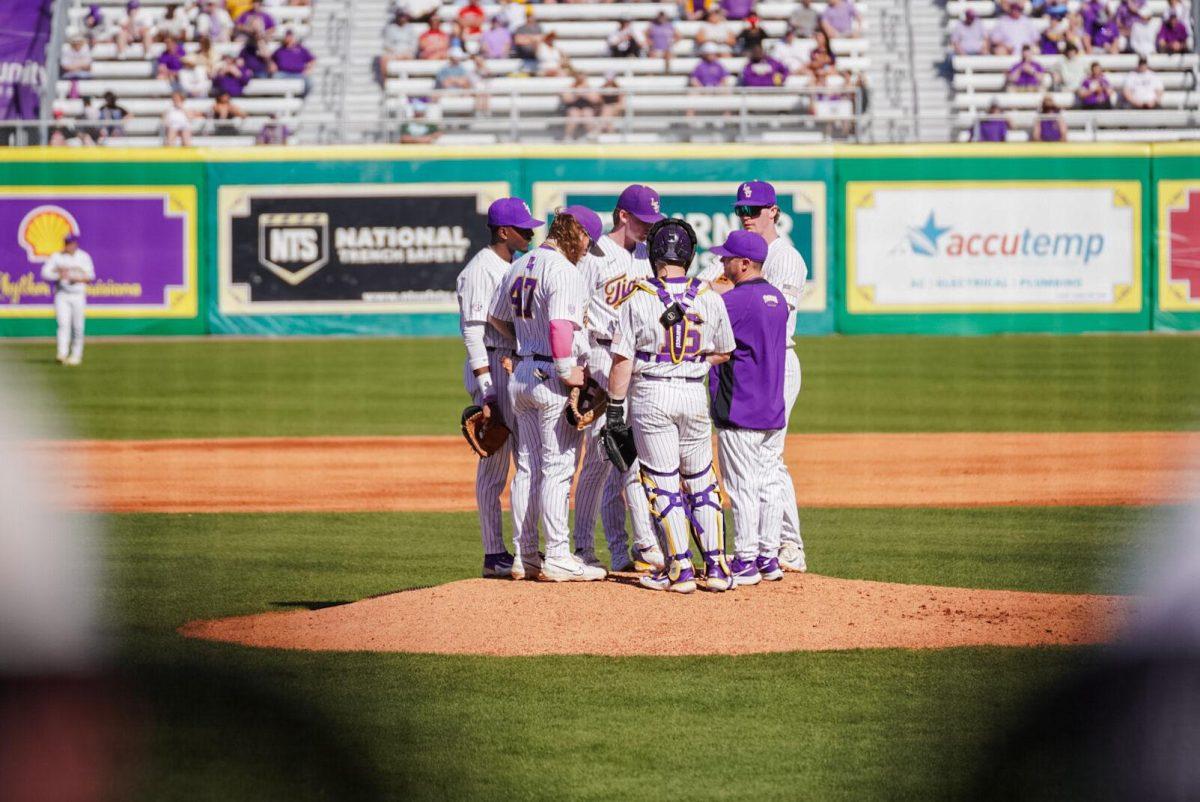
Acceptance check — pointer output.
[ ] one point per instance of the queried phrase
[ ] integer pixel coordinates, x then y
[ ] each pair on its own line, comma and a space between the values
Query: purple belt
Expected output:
646, 356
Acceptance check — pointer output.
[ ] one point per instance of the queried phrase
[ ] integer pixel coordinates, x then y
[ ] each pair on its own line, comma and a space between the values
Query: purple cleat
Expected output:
497, 565
745, 572
769, 568
681, 578
717, 576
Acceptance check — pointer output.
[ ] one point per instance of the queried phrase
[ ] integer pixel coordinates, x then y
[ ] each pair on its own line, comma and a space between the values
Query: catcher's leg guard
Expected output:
667, 507
705, 512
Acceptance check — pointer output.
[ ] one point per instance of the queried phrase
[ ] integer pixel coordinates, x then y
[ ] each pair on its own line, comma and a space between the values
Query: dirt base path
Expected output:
801, 613
437, 473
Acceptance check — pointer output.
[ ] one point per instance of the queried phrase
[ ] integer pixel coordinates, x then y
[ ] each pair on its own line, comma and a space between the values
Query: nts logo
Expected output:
293, 246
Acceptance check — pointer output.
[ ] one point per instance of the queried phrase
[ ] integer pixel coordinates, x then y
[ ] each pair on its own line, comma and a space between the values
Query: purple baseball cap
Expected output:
641, 202
512, 212
744, 244
591, 224
71, 237
755, 193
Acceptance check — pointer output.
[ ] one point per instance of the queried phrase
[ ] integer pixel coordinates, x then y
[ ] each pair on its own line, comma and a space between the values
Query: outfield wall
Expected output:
928, 239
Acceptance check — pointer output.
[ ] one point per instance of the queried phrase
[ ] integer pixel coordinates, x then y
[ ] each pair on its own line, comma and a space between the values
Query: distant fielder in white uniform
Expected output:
755, 205
484, 375
671, 331
611, 279
540, 302
71, 270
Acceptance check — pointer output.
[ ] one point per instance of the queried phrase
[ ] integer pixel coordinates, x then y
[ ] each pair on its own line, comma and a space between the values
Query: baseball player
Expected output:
747, 407
71, 270
670, 332
484, 375
611, 279
756, 207
540, 302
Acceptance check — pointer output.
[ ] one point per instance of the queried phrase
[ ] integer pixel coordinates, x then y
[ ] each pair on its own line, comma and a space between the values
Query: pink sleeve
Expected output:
562, 333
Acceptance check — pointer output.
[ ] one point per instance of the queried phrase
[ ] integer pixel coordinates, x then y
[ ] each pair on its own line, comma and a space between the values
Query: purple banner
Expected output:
138, 243
24, 32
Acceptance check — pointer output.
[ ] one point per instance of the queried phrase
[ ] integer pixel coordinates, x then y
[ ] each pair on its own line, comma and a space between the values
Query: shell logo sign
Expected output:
42, 231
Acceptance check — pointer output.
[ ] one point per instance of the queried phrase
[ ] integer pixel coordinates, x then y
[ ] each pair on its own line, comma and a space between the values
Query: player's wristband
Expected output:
563, 366
484, 382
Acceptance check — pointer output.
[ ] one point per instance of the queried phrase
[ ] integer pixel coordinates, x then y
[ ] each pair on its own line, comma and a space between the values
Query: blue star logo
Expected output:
924, 240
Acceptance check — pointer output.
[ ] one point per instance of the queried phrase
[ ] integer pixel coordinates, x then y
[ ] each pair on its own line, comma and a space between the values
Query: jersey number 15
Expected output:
521, 295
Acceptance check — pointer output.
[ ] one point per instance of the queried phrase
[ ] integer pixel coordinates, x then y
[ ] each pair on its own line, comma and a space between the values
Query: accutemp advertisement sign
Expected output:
357, 248
993, 247
1179, 246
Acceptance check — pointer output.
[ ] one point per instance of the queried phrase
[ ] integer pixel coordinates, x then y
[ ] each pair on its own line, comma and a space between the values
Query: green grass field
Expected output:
233, 723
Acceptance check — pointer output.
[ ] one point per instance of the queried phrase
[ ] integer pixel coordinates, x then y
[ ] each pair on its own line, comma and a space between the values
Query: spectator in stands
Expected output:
255, 56
1127, 11
737, 9
551, 60
1095, 92
1026, 75
63, 134
804, 20
255, 21
1040, 8
96, 28
992, 127
714, 30
434, 44
177, 122
1143, 33
694, 9
170, 62
821, 57
224, 115
1049, 125
113, 112
763, 71
526, 41
399, 42
1106, 37
496, 41
453, 75
1180, 9
612, 103
710, 72
418, 10
835, 107
791, 52
205, 56
471, 17
274, 132
136, 27
580, 104
293, 60
841, 20
172, 24
969, 37
1173, 35
1076, 34
661, 37
1093, 12
1013, 32
214, 22
750, 37
625, 42
76, 60
1143, 89
420, 128
1073, 70
193, 80
1054, 36
91, 133
231, 77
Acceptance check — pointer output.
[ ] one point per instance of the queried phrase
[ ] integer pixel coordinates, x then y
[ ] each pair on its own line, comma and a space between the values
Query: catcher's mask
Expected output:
672, 241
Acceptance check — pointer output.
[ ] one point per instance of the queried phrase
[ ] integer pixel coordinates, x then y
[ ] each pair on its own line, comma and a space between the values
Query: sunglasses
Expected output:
748, 211
526, 233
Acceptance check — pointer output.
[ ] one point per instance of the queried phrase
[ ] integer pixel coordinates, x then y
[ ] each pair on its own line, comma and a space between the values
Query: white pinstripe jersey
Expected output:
611, 279
785, 269
476, 286
639, 329
539, 287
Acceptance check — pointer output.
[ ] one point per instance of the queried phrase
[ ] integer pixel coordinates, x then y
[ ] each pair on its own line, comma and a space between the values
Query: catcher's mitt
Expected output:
585, 404
618, 445
483, 436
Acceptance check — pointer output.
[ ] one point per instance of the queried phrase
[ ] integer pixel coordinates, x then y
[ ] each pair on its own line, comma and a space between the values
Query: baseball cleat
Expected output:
526, 567
650, 559
717, 576
745, 572
588, 557
570, 569
769, 568
791, 558
680, 579
655, 580
497, 565
622, 562
72, 361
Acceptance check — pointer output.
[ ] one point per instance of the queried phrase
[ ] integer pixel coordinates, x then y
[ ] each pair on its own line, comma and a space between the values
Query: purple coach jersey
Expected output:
747, 391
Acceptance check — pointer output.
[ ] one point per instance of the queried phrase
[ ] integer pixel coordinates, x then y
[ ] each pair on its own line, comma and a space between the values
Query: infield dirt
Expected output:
437, 474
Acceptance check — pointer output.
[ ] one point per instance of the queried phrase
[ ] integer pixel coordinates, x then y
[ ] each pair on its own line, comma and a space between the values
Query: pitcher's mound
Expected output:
801, 613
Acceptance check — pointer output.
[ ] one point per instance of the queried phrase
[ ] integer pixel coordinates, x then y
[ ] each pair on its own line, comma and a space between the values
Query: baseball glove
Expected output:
617, 439
585, 404
483, 436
